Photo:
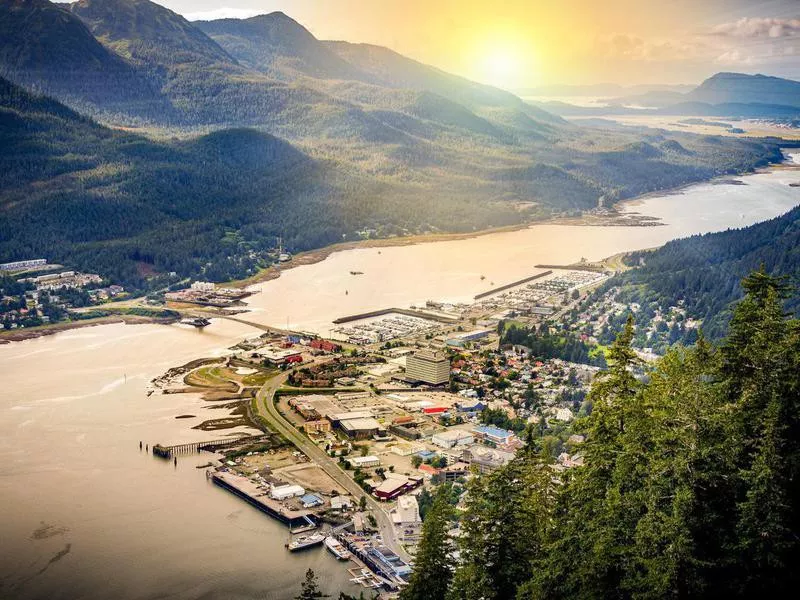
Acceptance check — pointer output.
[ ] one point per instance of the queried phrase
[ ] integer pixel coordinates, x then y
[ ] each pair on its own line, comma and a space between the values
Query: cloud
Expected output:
630, 47
222, 13
759, 28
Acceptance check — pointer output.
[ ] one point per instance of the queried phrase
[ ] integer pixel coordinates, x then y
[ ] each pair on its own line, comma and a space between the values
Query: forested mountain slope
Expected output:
687, 486
703, 272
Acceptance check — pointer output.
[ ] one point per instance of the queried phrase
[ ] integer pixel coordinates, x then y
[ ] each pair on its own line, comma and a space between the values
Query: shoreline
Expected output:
616, 217
21, 335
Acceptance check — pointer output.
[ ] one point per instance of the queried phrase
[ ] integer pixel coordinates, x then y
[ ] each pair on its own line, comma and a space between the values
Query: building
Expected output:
341, 503
23, 264
324, 346
321, 426
281, 356
486, 460
284, 492
311, 500
360, 429
395, 486
407, 510
365, 462
429, 367
202, 286
452, 437
495, 435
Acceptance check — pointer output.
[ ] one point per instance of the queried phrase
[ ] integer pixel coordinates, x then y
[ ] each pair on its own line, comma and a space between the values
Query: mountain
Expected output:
146, 32
747, 89
47, 49
703, 272
724, 94
279, 46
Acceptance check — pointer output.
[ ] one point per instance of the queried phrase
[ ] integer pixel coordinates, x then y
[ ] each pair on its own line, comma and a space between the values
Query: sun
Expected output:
502, 63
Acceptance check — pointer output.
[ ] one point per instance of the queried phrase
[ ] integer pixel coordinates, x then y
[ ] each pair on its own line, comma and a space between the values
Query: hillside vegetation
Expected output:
702, 273
260, 130
688, 488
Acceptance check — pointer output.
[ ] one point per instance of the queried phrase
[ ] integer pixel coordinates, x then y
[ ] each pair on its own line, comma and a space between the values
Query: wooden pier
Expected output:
212, 446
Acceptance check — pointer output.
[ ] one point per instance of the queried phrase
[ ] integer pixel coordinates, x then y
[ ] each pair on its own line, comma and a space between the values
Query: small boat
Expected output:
306, 541
356, 272
483, 277
336, 548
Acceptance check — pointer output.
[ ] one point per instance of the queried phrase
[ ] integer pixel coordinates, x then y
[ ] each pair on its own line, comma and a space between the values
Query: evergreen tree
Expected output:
433, 566
309, 589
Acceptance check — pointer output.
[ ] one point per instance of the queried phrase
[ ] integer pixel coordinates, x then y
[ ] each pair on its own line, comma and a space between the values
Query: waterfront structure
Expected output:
23, 264
311, 500
284, 492
453, 437
428, 366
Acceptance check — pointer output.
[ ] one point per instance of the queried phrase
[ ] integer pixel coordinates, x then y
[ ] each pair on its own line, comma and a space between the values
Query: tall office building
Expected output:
428, 367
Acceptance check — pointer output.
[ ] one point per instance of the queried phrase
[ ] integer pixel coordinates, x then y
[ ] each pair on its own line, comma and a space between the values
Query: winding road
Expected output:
265, 407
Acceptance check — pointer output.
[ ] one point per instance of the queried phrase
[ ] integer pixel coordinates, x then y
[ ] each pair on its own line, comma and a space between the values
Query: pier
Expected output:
400, 311
513, 284
298, 521
212, 446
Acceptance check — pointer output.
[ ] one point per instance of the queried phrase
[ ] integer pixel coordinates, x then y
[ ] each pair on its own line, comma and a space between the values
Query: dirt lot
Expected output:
311, 477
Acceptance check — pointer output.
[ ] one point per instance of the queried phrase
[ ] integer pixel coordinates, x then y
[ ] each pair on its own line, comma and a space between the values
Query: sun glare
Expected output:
503, 64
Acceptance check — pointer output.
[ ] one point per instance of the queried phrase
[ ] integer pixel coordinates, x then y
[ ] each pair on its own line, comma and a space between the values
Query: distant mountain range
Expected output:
376, 140
724, 94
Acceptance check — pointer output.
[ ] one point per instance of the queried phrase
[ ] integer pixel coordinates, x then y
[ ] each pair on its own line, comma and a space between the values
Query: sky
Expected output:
519, 44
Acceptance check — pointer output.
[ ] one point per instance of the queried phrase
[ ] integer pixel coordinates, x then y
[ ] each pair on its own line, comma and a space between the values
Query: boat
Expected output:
356, 272
306, 541
336, 548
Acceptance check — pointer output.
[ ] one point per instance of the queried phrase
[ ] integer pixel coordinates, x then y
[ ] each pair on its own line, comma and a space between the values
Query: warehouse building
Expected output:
451, 438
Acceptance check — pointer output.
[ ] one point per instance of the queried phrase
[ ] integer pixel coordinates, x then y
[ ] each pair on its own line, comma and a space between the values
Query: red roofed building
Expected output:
324, 346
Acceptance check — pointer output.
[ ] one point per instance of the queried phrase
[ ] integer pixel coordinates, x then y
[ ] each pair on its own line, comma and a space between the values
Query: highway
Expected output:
266, 408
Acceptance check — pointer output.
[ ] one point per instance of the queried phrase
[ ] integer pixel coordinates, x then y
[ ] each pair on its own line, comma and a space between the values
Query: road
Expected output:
266, 408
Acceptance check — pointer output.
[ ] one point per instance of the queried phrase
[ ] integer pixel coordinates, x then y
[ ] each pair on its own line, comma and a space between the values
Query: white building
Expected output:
23, 264
452, 437
284, 492
365, 462
428, 367
202, 286
407, 510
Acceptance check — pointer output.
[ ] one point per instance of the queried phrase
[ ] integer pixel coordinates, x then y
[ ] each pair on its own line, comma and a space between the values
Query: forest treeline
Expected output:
702, 272
690, 488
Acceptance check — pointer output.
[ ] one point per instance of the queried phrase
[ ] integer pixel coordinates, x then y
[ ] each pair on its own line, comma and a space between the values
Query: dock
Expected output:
513, 284
212, 446
298, 521
400, 311
590, 267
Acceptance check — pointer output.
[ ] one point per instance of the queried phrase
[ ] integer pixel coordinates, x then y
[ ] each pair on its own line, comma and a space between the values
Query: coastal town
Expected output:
358, 430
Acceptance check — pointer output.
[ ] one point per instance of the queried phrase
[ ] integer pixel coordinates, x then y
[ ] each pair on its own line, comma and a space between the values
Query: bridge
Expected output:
212, 446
